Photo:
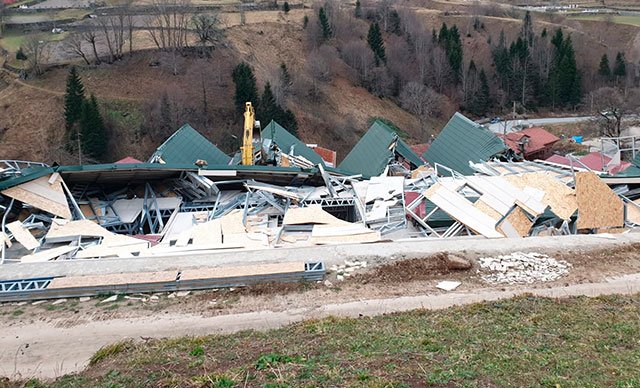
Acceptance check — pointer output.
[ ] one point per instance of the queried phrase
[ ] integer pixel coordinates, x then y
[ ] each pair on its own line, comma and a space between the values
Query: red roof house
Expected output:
128, 160
594, 161
532, 143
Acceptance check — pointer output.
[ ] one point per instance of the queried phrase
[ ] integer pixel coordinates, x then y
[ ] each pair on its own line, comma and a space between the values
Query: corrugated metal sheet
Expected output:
462, 141
371, 154
285, 141
186, 146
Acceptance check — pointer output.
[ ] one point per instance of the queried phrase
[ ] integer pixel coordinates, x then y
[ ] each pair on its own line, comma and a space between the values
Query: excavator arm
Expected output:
247, 136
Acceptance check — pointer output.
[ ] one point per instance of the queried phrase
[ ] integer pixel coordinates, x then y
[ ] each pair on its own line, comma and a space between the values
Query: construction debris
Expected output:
520, 267
448, 285
192, 199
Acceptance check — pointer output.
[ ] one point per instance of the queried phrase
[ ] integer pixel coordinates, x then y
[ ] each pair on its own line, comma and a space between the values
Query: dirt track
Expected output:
49, 340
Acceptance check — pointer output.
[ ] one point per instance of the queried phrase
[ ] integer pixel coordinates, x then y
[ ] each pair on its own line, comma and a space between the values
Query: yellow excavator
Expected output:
247, 136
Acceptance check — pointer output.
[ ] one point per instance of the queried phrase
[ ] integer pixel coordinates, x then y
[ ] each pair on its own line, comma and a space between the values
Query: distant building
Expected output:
531, 143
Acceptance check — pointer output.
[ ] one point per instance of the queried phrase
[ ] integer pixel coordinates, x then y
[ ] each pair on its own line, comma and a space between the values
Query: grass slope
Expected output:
578, 342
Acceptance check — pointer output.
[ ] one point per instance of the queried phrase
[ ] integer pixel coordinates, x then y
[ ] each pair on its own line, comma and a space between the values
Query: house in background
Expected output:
531, 143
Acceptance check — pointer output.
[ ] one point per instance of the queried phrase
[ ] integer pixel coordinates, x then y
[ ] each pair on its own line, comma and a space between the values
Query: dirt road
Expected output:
45, 350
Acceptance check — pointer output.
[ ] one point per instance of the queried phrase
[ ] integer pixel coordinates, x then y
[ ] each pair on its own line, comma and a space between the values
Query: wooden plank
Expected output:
248, 270
598, 205
558, 196
42, 195
460, 209
22, 235
112, 279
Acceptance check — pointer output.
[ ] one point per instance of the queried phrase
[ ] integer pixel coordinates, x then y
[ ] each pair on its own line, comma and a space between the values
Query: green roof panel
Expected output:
186, 146
288, 143
373, 152
462, 141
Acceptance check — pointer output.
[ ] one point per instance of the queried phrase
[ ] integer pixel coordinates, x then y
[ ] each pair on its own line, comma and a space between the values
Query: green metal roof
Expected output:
288, 143
32, 173
373, 152
186, 146
462, 141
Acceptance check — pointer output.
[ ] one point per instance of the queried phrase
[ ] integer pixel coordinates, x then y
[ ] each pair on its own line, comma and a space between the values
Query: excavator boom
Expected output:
247, 136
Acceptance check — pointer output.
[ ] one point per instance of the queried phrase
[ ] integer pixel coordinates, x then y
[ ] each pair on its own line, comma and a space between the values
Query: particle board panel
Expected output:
47, 254
74, 229
113, 279
633, 213
481, 205
248, 270
232, 223
209, 232
519, 221
558, 196
22, 235
598, 205
40, 194
313, 214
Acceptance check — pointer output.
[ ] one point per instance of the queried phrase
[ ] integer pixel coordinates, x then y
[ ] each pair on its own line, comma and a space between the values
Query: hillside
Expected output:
333, 113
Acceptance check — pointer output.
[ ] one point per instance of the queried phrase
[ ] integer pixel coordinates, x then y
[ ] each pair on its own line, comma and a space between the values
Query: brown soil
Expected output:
407, 270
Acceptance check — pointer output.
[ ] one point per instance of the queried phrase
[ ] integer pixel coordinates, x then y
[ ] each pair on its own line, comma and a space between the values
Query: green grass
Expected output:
11, 41
577, 342
618, 19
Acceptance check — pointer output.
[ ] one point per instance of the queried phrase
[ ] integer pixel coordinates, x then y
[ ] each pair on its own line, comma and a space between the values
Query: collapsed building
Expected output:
190, 198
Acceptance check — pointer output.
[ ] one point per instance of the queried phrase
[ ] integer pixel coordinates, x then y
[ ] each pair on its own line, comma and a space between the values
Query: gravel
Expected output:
520, 267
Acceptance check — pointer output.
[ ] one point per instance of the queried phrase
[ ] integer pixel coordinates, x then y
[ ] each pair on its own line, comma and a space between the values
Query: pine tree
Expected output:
268, 110
324, 24
73, 98
94, 134
604, 70
358, 11
376, 43
394, 23
166, 125
285, 7
570, 90
481, 98
455, 53
527, 29
246, 89
443, 36
305, 22
620, 67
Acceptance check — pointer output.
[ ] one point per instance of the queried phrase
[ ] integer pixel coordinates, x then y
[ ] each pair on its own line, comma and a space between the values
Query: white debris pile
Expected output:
520, 267
345, 270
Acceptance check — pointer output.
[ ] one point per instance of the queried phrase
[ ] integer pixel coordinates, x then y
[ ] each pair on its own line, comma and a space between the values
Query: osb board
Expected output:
421, 171
313, 214
598, 205
633, 213
42, 195
519, 221
22, 235
73, 229
113, 279
248, 270
488, 210
558, 196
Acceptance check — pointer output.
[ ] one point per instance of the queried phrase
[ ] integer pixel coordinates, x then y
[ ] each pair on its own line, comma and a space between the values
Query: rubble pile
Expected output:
348, 268
520, 267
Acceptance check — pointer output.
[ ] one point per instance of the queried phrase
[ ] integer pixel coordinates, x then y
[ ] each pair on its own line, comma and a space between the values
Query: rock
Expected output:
37, 302
349, 270
457, 263
340, 278
182, 294
328, 283
112, 298
23, 303
59, 301
154, 298
85, 299
171, 295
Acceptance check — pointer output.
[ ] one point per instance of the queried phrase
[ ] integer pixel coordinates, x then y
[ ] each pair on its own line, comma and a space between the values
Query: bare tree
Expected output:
168, 26
90, 36
439, 70
422, 101
358, 55
37, 52
611, 107
73, 46
206, 28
